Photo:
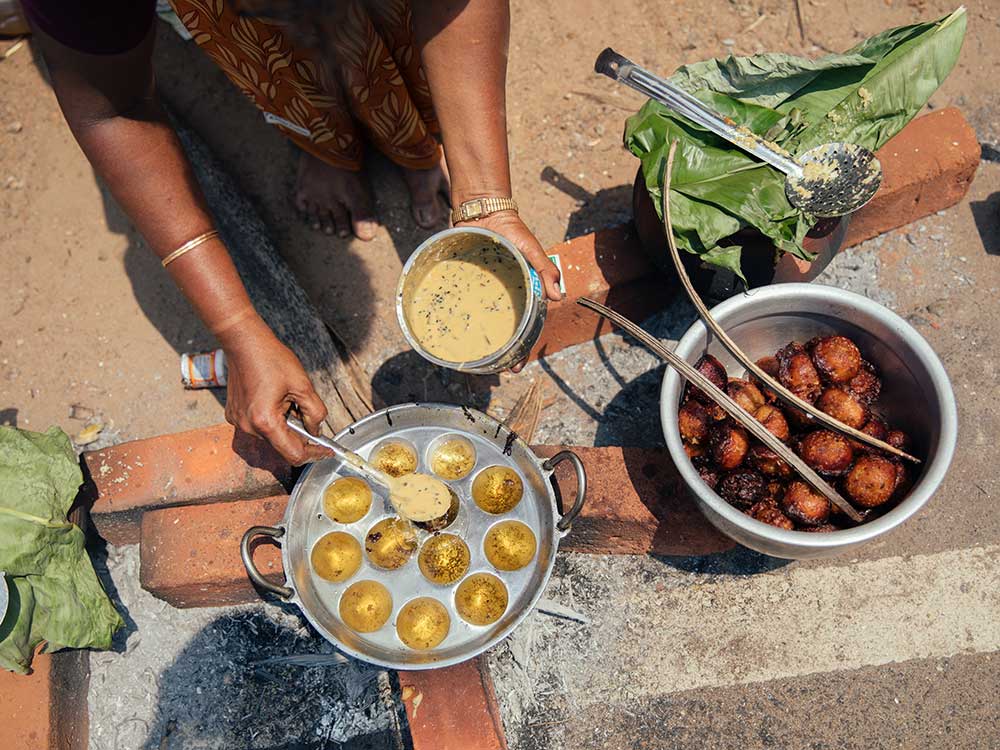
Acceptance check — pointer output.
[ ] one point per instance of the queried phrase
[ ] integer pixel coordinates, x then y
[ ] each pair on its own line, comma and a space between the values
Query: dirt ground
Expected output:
88, 319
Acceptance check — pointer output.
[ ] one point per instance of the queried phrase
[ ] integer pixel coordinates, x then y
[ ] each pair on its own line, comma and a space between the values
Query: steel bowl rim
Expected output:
557, 536
931, 478
522, 325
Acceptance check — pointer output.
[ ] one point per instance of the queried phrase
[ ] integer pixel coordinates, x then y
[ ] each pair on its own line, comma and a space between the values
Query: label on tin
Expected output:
562, 277
204, 370
536, 283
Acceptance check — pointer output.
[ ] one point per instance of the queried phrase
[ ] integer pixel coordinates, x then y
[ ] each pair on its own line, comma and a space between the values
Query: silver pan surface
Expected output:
423, 426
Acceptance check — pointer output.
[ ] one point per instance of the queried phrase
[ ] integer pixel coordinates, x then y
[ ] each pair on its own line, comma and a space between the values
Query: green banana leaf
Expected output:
55, 596
865, 96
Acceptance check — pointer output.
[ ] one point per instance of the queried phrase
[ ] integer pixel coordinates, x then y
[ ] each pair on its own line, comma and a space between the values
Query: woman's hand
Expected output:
265, 379
508, 224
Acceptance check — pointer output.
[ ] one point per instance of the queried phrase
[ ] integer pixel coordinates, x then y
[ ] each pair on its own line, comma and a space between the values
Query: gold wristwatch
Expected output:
480, 208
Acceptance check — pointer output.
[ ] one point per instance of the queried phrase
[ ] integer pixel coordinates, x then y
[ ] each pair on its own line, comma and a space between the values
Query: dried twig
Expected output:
799, 19
783, 393
523, 418
737, 412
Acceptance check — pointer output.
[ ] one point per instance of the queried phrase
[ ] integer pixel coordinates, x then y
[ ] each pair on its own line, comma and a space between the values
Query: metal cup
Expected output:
444, 244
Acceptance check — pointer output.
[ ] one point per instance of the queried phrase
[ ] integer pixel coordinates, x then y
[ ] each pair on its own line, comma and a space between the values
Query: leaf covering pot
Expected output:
865, 96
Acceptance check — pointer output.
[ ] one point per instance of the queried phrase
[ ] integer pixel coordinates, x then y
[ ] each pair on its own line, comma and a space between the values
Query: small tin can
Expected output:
442, 245
204, 370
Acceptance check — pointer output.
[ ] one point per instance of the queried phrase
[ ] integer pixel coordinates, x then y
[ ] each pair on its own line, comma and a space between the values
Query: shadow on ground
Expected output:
605, 208
987, 217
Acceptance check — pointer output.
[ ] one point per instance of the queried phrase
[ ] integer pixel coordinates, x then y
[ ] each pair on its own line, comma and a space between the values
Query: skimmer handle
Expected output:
623, 70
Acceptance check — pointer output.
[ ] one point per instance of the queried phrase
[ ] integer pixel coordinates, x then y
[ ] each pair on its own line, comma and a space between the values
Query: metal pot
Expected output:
422, 426
440, 246
758, 257
916, 396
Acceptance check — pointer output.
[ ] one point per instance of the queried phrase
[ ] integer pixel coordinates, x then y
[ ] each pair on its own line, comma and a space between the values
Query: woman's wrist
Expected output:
244, 334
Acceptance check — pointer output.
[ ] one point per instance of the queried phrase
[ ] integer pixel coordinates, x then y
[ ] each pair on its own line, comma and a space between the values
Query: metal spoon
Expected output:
357, 464
828, 180
403, 491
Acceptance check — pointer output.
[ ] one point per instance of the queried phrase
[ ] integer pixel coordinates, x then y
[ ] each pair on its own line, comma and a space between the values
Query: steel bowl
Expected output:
422, 426
442, 245
916, 397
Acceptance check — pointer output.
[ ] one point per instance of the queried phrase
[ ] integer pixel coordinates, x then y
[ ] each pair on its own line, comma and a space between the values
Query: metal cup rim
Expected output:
404, 325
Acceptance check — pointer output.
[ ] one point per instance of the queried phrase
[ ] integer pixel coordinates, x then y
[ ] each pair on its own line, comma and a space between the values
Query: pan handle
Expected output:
275, 532
581, 486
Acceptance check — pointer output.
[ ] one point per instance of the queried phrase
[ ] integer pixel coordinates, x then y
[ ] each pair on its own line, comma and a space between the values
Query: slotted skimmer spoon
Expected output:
833, 179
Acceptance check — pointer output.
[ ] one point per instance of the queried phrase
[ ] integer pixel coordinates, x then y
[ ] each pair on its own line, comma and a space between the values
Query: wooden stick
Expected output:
783, 393
733, 409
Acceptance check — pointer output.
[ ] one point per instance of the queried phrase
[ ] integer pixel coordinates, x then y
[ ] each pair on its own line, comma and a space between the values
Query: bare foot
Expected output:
429, 191
334, 200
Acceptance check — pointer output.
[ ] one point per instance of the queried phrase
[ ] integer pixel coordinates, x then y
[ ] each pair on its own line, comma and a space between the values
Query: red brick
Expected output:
47, 709
190, 555
927, 167
636, 504
608, 266
199, 466
454, 708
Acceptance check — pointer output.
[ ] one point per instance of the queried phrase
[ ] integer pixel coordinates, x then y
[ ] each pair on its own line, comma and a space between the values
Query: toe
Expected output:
363, 220
427, 215
341, 219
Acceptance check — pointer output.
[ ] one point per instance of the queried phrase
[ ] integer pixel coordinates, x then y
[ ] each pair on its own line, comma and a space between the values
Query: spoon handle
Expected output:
623, 70
354, 462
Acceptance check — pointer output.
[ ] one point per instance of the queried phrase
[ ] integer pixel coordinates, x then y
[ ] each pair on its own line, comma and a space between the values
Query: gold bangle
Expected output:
189, 245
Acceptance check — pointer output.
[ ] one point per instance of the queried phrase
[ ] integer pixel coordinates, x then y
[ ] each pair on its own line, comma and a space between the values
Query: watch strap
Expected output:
480, 208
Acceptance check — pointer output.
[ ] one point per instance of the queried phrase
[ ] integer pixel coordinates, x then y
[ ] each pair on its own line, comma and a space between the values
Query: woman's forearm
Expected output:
464, 51
111, 107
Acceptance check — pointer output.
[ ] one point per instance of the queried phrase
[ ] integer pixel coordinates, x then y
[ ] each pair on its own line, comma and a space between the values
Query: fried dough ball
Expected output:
694, 451
871, 481
770, 366
693, 421
729, 444
745, 393
826, 452
898, 439
774, 491
903, 480
804, 504
825, 528
741, 488
798, 419
797, 372
876, 427
715, 412
767, 462
768, 513
836, 358
866, 385
707, 471
843, 407
774, 420
712, 369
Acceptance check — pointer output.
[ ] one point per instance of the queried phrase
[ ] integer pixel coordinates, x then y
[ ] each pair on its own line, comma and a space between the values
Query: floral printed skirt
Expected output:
368, 86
